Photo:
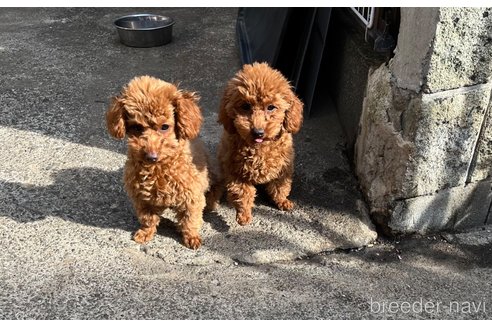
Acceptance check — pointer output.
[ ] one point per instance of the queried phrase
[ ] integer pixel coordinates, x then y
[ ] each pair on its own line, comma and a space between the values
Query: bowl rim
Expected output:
142, 29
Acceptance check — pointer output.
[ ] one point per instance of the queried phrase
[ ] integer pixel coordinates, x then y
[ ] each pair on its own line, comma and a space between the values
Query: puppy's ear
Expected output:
293, 116
115, 121
223, 118
188, 115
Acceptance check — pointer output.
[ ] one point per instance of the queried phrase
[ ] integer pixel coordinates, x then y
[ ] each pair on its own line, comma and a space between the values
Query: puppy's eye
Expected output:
271, 108
135, 129
164, 127
246, 107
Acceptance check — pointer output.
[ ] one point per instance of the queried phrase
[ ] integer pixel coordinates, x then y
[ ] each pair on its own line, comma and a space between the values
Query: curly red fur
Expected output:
258, 98
165, 167
114, 119
188, 115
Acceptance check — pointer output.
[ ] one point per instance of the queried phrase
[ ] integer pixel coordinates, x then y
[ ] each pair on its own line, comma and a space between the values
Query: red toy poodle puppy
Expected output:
167, 167
260, 113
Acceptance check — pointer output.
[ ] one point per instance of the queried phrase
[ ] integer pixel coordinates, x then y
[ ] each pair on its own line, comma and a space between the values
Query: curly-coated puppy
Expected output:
166, 166
259, 112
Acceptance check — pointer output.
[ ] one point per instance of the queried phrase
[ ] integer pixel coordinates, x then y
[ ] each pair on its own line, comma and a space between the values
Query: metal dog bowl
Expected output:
144, 30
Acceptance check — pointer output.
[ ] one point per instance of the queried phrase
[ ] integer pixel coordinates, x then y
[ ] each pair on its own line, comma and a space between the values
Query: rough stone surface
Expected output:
413, 145
382, 153
410, 63
481, 166
447, 128
476, 237
453, 208
122, 283
462, 49
452, 48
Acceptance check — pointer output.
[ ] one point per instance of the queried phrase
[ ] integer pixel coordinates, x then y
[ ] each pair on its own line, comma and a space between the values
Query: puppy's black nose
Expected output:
258, 133
151, 157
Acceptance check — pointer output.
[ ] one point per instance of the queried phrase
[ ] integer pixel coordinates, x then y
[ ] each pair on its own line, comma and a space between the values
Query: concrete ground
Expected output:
66, 223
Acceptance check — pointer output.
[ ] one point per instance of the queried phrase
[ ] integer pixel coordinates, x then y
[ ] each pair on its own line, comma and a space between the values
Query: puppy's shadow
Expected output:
169, 229
86, 196
168, 226
262, 197
216, 221
219, 224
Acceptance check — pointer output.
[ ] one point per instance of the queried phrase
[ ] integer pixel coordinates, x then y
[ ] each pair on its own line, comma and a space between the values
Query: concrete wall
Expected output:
424, 150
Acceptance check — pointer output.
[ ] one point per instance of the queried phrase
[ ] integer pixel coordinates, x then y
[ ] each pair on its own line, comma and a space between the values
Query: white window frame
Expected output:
365, 14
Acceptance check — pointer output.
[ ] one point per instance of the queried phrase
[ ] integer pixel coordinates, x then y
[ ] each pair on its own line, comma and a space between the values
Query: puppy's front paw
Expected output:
192, 241
244, 219
144, 235
285, 205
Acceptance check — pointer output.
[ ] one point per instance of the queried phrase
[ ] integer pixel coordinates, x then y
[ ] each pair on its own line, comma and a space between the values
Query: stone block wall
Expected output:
424, 150
481, 166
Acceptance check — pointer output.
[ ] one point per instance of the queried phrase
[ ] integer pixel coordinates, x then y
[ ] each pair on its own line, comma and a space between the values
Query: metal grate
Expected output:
366, 15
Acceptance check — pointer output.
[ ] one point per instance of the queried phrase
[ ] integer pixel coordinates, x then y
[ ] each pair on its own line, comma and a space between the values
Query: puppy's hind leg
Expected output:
279, 189
149, 221
214, 194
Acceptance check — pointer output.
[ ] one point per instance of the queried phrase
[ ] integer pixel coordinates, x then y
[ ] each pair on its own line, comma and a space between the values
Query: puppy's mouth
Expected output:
259, 140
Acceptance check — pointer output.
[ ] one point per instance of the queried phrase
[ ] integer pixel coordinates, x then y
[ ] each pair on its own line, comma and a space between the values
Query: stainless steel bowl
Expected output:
144, 30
